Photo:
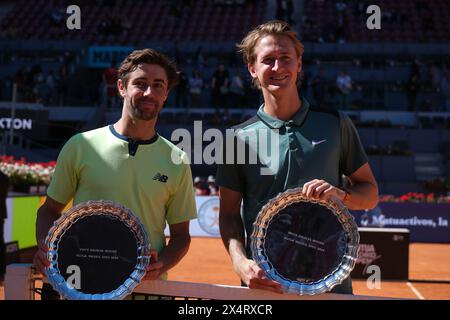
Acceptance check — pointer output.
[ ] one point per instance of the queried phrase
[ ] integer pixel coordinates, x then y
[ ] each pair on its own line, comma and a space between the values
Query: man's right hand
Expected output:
154, 269
40, 260
254, 277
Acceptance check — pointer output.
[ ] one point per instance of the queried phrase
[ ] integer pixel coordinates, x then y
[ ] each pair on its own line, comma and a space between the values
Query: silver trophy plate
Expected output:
307, 245
98, 250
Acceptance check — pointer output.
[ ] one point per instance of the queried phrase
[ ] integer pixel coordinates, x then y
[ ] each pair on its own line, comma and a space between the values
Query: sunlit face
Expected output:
277, 65
146, 91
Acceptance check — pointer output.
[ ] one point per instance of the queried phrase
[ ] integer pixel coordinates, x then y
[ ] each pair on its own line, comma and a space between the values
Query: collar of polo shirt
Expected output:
298, 118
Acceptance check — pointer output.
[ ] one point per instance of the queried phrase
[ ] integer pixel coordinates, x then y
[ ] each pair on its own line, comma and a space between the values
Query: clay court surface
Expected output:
208, 262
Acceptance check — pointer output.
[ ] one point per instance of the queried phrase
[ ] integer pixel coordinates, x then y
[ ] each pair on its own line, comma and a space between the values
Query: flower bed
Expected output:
416, 197
27, 176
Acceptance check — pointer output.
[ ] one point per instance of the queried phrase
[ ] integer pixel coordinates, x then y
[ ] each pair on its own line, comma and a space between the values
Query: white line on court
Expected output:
416, 292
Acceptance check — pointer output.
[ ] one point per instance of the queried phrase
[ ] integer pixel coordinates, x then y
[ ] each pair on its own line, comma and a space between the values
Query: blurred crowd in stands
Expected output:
220, 80
344, 21
34, 85
206, 187
227, 86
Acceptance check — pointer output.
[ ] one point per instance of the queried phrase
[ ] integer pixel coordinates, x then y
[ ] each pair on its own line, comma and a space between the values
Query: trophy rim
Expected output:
95, 208
336, 276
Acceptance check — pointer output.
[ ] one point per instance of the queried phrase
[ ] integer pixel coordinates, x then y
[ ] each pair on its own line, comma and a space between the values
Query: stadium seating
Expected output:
402, 21
138, 21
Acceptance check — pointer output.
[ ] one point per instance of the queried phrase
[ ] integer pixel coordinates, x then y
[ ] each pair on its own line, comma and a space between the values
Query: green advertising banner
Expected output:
23, 227
21, 221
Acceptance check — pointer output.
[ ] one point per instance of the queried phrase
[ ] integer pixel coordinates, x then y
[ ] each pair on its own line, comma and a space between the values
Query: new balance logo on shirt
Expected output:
160, 177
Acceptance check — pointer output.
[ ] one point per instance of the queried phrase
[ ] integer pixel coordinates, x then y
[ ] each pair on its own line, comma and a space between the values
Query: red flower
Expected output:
404, 198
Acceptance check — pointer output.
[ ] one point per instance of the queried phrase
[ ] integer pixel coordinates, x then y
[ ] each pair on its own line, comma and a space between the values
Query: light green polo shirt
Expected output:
104, 165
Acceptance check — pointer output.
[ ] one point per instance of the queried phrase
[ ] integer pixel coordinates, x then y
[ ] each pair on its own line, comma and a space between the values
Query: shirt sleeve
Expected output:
64, 182
181, 206
229, 171
352, 155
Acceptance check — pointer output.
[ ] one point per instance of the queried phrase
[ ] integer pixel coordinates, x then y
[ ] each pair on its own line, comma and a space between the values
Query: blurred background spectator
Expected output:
213, 188
200, 187
412, 89
196, 89
318, 88
219, 87
109, 90
237, 91
445, 89
344, 85
181, 91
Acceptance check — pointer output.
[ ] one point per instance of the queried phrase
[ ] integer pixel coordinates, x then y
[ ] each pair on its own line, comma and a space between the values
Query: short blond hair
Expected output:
273, 27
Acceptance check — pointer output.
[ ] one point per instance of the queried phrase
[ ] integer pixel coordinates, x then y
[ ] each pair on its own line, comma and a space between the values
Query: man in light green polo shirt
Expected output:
128, 162
313, 149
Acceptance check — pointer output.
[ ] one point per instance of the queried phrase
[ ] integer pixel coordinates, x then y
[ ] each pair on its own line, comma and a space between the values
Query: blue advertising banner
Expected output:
426, 222
102, 56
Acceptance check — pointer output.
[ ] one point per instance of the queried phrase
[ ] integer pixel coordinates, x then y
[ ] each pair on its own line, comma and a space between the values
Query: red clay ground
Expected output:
208, 262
